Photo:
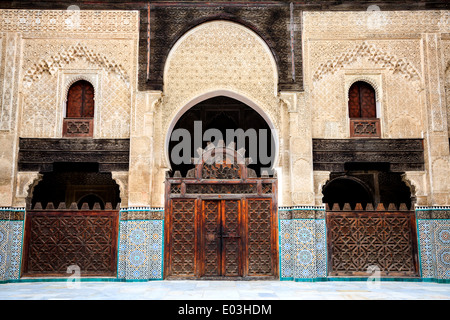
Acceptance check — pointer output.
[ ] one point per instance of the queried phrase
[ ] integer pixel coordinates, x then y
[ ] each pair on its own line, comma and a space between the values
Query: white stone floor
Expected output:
224, 290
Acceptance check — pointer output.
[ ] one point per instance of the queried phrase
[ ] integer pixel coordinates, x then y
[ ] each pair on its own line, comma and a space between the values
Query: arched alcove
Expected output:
234, 120
372, 186
72, 182
347, 190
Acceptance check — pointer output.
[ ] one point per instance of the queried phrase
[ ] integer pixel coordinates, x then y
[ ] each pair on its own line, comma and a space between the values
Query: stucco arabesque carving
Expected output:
52, 64
373, 54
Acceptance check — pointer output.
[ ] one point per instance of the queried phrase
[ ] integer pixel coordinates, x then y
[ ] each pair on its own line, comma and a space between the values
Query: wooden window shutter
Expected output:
362, 101
80, 100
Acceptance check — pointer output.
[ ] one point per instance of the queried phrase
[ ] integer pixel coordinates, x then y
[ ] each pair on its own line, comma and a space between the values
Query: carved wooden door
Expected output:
261, 235
220, 222
221, 237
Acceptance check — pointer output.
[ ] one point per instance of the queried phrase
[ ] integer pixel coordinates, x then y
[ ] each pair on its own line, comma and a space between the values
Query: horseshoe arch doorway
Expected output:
221, 210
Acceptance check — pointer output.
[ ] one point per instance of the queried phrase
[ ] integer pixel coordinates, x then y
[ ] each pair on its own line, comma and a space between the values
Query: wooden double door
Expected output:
221, 238
220, 220
217, 239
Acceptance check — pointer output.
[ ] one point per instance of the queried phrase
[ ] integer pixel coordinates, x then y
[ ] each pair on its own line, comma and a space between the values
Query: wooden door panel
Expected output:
80, 100
362, 101
354, 102
223, 226
260, 241
211, 235
231, 238
222, 239
360, 241
56, 240
368, 102
183, 238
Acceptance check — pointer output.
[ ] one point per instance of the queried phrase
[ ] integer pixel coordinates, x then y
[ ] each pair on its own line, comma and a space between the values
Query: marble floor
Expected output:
224, 290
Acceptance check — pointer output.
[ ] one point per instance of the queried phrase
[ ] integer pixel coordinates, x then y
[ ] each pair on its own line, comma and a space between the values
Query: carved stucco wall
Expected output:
41, 54
214, 58
218, 56
385, 49
60, 47
446, 50
400, 54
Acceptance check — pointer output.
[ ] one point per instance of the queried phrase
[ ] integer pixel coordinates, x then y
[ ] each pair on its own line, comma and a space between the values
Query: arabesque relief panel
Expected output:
220, 56
55, 42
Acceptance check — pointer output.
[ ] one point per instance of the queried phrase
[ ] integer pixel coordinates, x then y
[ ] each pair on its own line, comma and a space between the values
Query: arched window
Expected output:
362, 101
362, 109
79, 110
80, 100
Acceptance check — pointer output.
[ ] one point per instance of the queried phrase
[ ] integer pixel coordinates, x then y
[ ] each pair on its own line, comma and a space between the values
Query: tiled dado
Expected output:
433, 226
302, 240
141, 239
11, 239
303, 249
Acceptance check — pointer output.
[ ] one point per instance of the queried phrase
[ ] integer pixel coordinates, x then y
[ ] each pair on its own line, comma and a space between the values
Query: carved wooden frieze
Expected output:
401, 154
40, 154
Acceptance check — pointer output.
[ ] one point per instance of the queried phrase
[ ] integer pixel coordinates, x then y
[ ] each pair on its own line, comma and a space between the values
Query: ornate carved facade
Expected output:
148, 63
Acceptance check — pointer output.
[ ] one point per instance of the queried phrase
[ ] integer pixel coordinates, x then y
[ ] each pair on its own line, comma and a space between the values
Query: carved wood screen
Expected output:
360, 242
221, 223
58, 239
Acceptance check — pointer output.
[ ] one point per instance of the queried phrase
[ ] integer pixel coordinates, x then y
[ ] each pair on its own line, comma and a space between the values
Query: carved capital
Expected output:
416, 181
153, 100
291, 100
121, 178
26, 182
320, 180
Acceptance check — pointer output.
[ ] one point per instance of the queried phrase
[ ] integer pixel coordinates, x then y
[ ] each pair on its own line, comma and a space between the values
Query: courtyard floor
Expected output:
224, 290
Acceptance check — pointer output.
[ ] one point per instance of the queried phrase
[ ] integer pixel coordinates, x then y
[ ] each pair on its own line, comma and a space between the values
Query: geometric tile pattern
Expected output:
426, 247
4, 250
434, 246
11, 236
321, 248
303, 249
286, 250
442, 241
15, 253
141, 250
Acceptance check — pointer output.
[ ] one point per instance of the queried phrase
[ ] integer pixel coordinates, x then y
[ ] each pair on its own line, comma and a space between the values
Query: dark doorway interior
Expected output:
371, 186
76, 183
224, 113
